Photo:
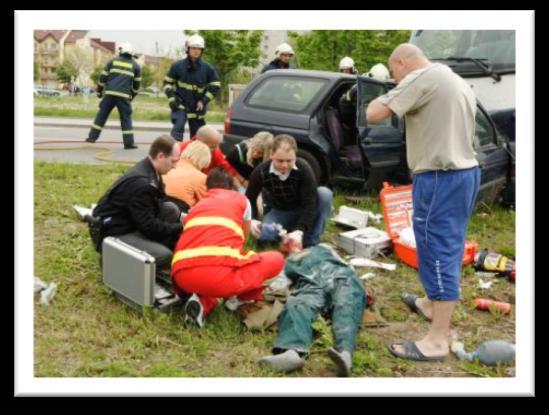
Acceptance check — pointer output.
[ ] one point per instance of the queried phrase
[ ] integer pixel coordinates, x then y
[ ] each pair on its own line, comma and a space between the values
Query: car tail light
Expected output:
228, 120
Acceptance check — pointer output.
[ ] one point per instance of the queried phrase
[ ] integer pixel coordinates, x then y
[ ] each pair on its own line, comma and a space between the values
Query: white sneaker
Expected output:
232, 303
194, 311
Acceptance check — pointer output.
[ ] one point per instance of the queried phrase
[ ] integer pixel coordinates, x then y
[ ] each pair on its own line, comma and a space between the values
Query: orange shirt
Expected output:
185, 182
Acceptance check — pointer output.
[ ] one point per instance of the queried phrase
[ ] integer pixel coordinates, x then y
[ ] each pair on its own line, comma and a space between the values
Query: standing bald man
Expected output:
439, 109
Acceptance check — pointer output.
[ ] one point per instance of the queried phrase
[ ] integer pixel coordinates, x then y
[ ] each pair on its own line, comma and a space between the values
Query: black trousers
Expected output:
124, 109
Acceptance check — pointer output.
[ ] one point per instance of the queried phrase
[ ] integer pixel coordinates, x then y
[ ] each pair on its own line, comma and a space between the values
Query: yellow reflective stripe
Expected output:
117, 94
183, 108
97, 127
185, 85
216, 220
191, 115
100, 83
168, 86
210, 251
201, 117
127, 132
138, 79
168, 79
209, 95
135, 91
215, 83
190, 87
122, 64
104, 73
123, 72
171, 99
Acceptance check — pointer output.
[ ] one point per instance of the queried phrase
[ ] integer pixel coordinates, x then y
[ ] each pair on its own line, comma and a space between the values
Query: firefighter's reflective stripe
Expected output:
205, 251
138, 79
168, 86
216, 221
117, 94
100, 83
215, 83
191, 115
190, 87
209, 95
97, 127
200, 117
127, 132
123, 72
104, 73
122, 64
168, 79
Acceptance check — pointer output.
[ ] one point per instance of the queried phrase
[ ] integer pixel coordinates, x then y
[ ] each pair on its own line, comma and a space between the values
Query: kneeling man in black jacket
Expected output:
135, 208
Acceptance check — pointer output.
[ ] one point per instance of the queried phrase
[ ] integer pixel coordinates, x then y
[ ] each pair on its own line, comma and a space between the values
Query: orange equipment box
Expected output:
397, 207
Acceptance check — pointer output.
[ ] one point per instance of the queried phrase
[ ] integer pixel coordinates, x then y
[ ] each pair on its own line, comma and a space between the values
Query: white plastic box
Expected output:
365, 242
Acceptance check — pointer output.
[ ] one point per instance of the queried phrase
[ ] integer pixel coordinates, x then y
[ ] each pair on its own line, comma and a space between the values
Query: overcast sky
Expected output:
145, 41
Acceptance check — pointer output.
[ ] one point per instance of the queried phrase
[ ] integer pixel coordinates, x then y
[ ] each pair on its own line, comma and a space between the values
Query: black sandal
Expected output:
410, 300
411, 352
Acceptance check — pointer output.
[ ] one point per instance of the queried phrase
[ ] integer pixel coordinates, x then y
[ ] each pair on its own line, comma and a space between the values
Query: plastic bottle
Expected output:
485, 304
490, 352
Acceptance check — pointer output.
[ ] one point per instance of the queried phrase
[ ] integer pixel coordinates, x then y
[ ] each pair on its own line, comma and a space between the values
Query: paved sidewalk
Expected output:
111, 124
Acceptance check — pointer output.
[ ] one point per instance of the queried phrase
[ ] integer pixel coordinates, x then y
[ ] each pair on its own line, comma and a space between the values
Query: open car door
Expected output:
382, 143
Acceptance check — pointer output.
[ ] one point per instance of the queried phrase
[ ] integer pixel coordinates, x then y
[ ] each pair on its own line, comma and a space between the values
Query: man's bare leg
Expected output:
435, 343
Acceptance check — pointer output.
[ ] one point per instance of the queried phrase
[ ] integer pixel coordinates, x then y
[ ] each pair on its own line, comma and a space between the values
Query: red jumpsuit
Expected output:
209, 258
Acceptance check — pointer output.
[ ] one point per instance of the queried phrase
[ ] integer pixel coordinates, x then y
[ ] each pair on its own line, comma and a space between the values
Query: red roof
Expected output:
42, 34
97, 42
75, 35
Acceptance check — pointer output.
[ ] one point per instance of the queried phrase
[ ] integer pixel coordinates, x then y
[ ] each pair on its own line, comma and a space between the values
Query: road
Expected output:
65, 144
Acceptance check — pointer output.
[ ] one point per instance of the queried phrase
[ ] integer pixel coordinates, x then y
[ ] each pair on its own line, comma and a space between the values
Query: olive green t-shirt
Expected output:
439, 109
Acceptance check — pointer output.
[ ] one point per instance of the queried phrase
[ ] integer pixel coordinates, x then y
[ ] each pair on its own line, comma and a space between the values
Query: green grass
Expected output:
144, 108
86, 332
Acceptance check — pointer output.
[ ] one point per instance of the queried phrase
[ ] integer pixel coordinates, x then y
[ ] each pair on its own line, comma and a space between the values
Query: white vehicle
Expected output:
485, 58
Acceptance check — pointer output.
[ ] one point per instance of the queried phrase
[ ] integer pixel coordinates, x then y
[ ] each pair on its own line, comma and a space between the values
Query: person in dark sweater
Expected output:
135, 208
248, 154
296, 202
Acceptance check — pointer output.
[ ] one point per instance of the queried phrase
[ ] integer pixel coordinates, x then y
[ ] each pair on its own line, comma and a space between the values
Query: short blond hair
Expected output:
198, 154
262, 140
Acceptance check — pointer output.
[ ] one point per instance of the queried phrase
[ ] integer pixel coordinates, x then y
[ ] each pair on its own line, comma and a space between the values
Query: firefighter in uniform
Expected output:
284, 53
190, 84
118, 86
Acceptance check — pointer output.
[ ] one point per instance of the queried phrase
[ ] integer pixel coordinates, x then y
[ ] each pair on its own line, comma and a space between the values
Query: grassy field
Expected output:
85, 332
144, 108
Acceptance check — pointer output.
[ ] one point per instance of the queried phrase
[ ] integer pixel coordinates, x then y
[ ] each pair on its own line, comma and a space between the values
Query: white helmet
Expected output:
125, 47
283, 48
379, 72
346, 62
195, 41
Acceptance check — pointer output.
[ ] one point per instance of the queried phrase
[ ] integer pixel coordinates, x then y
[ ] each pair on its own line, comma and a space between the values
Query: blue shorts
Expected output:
443, 203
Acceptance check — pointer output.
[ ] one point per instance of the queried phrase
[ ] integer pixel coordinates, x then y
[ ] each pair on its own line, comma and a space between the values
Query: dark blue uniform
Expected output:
185, 84
119, 83
275, 64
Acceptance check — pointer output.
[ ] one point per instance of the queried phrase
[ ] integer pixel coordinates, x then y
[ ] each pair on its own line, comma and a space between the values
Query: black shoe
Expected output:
130, 147
90, 140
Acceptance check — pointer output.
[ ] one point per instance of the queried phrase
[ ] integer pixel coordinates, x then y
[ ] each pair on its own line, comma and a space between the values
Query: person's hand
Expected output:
99, 94
293, 242
199, 106
255, 228
174, 105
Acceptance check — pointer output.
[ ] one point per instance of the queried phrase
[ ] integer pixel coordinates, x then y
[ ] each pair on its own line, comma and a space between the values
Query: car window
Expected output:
286, 93
484, 132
